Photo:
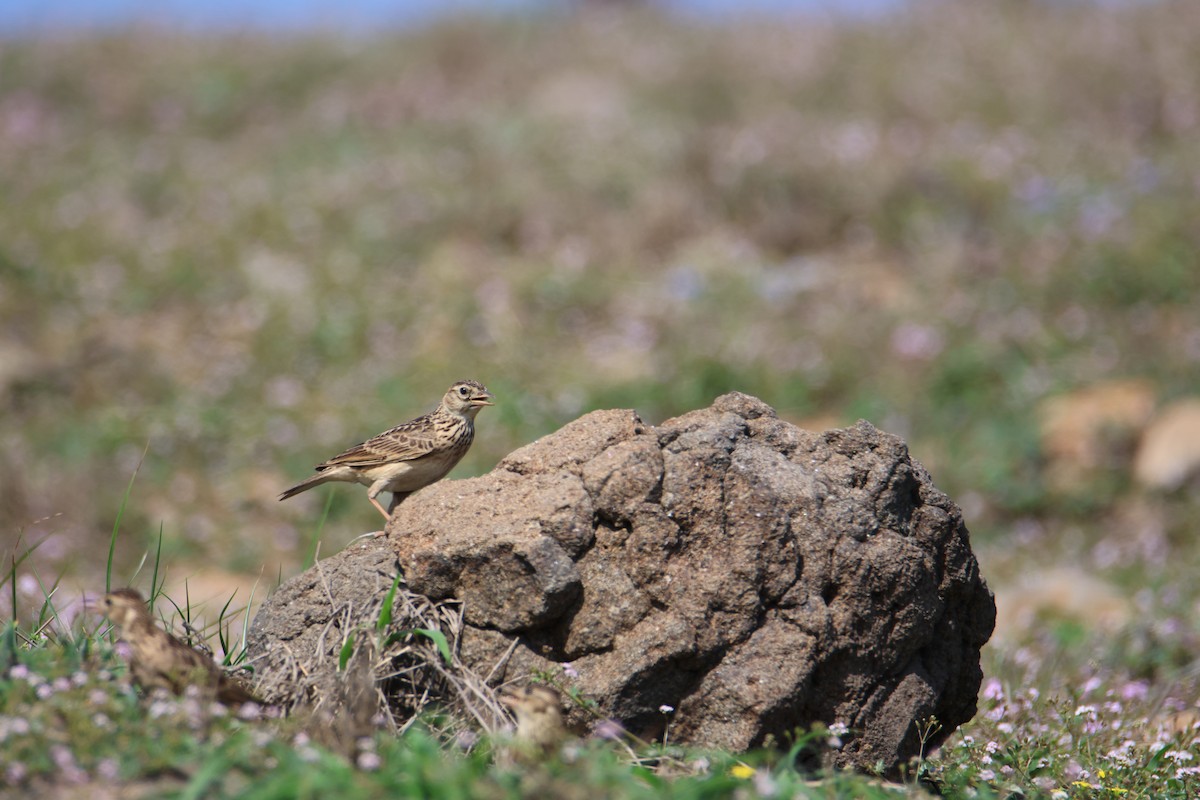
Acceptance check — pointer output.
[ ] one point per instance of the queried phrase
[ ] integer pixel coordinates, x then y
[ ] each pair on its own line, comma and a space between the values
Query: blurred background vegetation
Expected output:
974, 223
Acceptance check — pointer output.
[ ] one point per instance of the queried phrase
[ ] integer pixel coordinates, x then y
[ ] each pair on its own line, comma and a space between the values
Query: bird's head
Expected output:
467, 397
539, 713
122, 606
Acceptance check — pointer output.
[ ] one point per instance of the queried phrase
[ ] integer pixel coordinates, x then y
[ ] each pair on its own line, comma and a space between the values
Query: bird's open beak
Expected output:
483, 400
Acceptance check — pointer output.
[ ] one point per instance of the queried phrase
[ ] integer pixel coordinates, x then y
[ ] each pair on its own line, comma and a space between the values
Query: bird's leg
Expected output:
372, 495
397, 499
375, 503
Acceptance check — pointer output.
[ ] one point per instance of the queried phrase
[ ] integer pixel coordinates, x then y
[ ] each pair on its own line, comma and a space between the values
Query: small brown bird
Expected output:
409, 456
159, 659
540, 726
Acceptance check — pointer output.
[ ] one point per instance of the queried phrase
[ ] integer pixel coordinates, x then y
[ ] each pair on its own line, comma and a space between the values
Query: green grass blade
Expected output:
347, 651
439, 639
241, 656
155, 586
112, 542
16, 562
186, 611
385, 612
436, 636
176, 606
223, 629
12, 579
48, 606
9, 654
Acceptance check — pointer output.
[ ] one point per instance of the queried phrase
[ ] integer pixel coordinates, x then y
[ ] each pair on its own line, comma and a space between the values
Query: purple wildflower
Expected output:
15, 773
609, 729
1135, 690
64, 759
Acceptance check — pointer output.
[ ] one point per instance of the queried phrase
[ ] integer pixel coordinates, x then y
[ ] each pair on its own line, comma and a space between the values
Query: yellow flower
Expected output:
1116, 790
741, 771
1101, 774
1082, 784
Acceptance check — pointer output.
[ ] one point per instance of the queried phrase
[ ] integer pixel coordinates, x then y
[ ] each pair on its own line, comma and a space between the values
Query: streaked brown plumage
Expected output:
540, 726
409, 456
159, 660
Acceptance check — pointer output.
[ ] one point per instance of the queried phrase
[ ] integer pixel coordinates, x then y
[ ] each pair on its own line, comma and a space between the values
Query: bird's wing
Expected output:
192, 667
148, 677
186, 666
404, 442
162, 660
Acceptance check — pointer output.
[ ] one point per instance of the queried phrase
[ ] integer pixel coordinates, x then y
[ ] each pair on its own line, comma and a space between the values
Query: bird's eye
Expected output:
464, 391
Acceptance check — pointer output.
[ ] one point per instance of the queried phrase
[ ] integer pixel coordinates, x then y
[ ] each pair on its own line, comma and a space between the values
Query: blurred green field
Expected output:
238, 255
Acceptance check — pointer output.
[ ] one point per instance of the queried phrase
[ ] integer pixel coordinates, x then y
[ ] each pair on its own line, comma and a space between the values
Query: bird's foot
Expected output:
371, 535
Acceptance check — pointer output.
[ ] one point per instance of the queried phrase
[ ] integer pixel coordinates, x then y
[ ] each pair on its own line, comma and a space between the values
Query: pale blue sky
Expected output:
41, 15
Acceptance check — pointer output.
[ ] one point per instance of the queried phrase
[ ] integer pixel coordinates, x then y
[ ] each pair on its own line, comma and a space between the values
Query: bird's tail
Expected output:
305, 485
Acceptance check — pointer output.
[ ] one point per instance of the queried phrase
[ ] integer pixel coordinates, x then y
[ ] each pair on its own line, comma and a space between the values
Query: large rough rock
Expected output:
754, 576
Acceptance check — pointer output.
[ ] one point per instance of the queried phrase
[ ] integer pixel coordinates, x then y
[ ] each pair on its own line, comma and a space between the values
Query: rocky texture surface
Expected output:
752, 575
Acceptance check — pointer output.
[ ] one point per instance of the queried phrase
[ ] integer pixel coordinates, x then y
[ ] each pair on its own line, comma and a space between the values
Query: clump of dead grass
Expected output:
384, 666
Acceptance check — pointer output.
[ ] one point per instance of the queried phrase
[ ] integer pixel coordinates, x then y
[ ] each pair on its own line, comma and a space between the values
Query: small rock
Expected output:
1169, 453
1091, 428
1062, 593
